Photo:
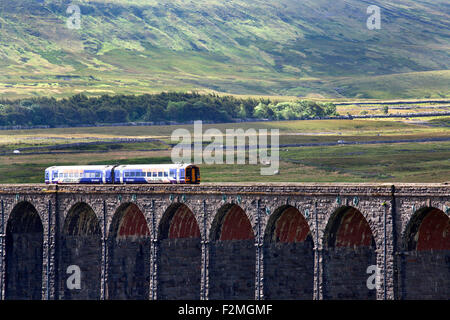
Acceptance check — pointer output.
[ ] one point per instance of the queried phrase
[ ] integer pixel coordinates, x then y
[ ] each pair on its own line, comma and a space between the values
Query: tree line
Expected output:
162, 107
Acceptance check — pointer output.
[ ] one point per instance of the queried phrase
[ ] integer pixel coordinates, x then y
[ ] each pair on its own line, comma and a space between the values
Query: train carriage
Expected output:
123, 174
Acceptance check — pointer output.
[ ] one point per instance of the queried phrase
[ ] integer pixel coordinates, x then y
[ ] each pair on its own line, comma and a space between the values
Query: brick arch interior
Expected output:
24, 248
231, 223
349, 249
425, 262
232, 255
288, 256
178, 222
80, 245
179, 260
129, 254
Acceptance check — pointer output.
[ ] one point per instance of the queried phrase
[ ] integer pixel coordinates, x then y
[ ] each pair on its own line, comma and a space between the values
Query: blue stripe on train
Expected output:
134, 180
91, 180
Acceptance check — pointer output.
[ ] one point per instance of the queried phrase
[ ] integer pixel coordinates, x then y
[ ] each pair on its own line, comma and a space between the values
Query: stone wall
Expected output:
232, 270
179, 268
289, 271
128, 273
345, 273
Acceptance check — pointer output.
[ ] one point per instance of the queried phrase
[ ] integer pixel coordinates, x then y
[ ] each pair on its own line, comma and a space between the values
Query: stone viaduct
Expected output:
225, 241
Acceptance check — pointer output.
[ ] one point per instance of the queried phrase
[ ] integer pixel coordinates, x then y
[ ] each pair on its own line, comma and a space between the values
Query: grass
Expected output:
441, 122
396, 162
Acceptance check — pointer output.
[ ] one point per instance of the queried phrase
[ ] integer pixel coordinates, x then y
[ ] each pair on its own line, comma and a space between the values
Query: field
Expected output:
386, 161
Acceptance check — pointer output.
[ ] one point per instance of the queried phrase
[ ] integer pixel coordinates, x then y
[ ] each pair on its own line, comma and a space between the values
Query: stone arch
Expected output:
288, 256
232, 255
425, 272
178, 222
129, 254
231, 223
24, 249
81, 246
428, 229
349, 248
180, 254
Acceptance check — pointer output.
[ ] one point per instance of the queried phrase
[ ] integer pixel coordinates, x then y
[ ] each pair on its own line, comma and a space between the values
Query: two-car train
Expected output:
123, 174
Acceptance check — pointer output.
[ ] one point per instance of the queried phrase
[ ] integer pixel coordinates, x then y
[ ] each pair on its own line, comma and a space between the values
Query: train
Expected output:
124, 174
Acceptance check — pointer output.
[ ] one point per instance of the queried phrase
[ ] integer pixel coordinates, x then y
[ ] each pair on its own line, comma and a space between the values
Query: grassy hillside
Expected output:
288, 47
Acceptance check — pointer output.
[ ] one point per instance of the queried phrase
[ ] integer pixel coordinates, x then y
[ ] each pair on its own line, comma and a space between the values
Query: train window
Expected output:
173, 173
142, 174
166, 174
127, 174
149, 174
160, 174
155, 174
181, 173
66, 175
97, 174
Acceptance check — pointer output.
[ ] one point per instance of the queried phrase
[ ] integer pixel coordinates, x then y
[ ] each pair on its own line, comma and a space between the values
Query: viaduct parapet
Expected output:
225, 241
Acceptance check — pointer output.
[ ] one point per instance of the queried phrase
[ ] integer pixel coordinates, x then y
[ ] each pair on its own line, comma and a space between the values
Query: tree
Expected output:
261, 111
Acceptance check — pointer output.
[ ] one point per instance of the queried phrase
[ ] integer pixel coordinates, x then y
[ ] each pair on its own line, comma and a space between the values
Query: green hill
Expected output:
288, 47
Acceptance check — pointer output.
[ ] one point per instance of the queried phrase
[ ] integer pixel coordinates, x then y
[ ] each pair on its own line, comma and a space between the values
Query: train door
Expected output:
196, 174
192, 174
182, 176
54, 175
189, 176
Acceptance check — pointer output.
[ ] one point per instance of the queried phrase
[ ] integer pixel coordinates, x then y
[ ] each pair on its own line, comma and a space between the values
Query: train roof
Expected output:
126, 166
87, 167
154, 166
